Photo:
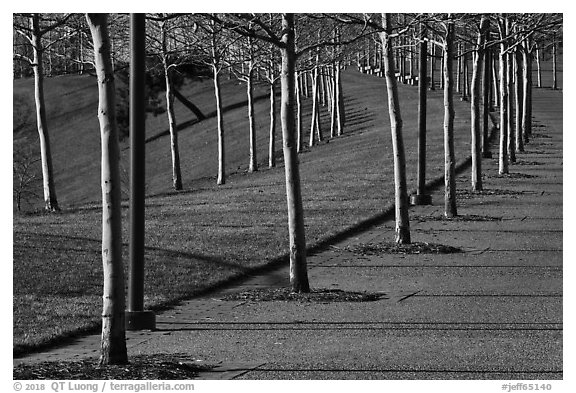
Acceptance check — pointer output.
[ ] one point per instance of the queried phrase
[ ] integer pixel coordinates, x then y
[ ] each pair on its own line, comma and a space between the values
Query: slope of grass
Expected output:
208, 234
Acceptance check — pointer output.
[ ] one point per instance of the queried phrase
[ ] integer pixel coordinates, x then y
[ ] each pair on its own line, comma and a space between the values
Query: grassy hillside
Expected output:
205, 234
72, 103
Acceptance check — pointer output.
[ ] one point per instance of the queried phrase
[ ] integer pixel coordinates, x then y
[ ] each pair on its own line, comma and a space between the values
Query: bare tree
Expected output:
519, 99
165, 24
34, 27
25, 179
527, 90
476, 135
113, 344
271, 75
214, 44
503, 157
401, 193
298, 267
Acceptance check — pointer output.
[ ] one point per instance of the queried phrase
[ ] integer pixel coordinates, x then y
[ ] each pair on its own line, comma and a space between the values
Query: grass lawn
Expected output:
208, 234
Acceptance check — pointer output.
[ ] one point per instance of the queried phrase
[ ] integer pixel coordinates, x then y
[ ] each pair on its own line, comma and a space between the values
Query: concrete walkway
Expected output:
491, 312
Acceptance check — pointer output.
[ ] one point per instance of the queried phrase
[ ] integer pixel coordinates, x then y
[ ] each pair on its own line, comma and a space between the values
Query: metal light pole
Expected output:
136, 317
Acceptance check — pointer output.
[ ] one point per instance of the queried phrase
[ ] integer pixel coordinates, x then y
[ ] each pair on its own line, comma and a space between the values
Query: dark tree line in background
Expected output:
303, 56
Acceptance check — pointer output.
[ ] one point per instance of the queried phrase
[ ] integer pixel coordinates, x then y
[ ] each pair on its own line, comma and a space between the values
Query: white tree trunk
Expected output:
476, 134
519, 100
50, 201
174, 149
511, 135
539, 72
527, 95
333, 101
340, 101
503, 157
299, 134
220, 120
253, 162
113, 344
272, 141
554, 65
495, 81
298, 269
315, 102
400, 187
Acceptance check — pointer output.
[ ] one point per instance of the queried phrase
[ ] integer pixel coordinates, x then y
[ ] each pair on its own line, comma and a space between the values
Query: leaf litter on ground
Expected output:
315, 295
395, 248
140, 367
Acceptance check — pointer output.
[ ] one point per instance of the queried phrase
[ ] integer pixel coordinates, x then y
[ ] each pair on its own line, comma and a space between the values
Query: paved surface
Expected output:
492, 312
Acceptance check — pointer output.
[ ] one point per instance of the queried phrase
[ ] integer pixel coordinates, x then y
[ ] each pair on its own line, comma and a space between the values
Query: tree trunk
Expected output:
400, 187
450, 209
272, 145
465, 84
313, 120
402, 58
503, 157
220, 121
298, 269
50, 201
486, 71
496, 86
510, 87
432, 66
476, 135
322, 85
527, 95
538, 66
113, 344
459, 68
519, 100
554, 67
333, 101
442, 81
174, 149
299, 134
315, 126
253, 163
341, 111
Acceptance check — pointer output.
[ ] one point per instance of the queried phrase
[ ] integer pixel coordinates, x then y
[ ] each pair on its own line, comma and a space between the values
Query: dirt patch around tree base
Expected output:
513, 175
465, 217
526, 163
141, 367
468, 194
315, 295
395, 248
